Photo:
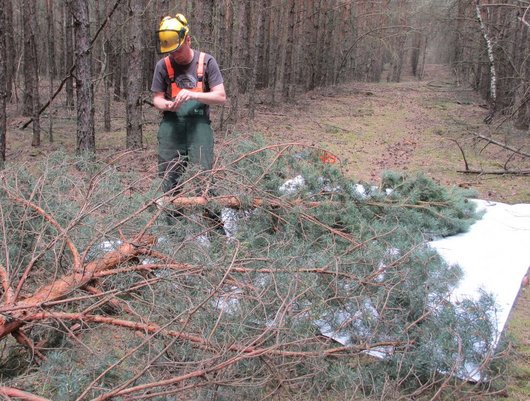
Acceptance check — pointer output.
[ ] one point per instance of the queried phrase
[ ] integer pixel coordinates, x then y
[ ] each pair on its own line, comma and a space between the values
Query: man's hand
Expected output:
163, 104
216, 96
182, 97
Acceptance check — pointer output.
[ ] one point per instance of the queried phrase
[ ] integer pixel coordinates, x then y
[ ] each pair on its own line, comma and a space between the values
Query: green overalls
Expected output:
184, 137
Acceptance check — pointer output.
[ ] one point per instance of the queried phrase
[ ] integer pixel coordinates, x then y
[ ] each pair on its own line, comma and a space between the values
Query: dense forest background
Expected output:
98, 50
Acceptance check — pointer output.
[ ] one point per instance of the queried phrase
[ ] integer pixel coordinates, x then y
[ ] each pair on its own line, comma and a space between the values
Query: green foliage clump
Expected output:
443, 211
325, 259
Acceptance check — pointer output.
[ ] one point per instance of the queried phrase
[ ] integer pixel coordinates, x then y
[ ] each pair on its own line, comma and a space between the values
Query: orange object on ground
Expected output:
328, 158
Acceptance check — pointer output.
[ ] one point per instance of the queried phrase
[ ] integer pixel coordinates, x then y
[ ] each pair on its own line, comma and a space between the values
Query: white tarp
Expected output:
494, 255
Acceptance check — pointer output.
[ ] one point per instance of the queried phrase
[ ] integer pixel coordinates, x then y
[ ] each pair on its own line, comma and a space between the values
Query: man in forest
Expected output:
185, 83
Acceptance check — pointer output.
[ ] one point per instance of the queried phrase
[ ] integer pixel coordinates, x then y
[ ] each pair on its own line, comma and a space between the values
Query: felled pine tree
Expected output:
319, 286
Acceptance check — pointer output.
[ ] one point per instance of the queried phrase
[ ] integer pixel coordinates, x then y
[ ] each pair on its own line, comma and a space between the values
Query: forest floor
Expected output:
428, 126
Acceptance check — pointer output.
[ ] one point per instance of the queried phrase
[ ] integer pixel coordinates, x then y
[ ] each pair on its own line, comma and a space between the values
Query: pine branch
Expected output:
63, 286
14, 392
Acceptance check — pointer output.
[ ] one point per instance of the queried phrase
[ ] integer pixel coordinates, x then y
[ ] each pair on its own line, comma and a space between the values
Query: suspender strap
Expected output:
171, 75
200, 72
200, 75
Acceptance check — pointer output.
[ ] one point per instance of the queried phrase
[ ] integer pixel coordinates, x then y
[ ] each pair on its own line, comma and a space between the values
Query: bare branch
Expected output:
14, 392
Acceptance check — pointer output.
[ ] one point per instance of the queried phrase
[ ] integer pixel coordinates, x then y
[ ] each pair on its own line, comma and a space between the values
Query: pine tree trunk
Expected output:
274, 49
86, 143
263, 38
52, 70
117, 72
3, 85
10, 53
29, 63
107, 54
68, 55
150, 22
135, 75
116, 61
256, 51
202, 24
233, 78
243, 54
31, 71
523, 93
328, 27
50, 24
288, 76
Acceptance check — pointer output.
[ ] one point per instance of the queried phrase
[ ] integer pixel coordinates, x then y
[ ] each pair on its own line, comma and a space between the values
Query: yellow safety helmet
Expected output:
172, 33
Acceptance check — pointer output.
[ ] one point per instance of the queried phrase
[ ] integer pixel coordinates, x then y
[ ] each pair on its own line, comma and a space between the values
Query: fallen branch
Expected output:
6, 287
502, 145
197, 339
496, 172
19, 394
466, 164
236, 203
63, 286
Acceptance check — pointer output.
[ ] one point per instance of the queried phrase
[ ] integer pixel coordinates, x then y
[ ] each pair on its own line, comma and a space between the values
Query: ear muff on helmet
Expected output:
172, 33
182, 19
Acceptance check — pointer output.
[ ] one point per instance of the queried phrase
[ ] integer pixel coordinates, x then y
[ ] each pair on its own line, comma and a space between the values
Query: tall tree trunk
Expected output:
31, 71
135, 75
69, 55
149, 53
523, 92
288, 75
202, 26
274, 48
50, 24
10, 56
117, 44
3, 84
491, 58
52, 70
106, 69
232, 26
263, 38
117, 70
28, 62
256, 51
86, 142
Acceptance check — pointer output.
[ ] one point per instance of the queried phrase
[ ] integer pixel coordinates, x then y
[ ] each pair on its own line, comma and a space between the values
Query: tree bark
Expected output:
60, 288
50, 24
68, 55
86, 142
491, 58
523, 92
52, 69
31, 71
135, 75
288, 75
3, 86
10, 55
202, 24
256, 51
